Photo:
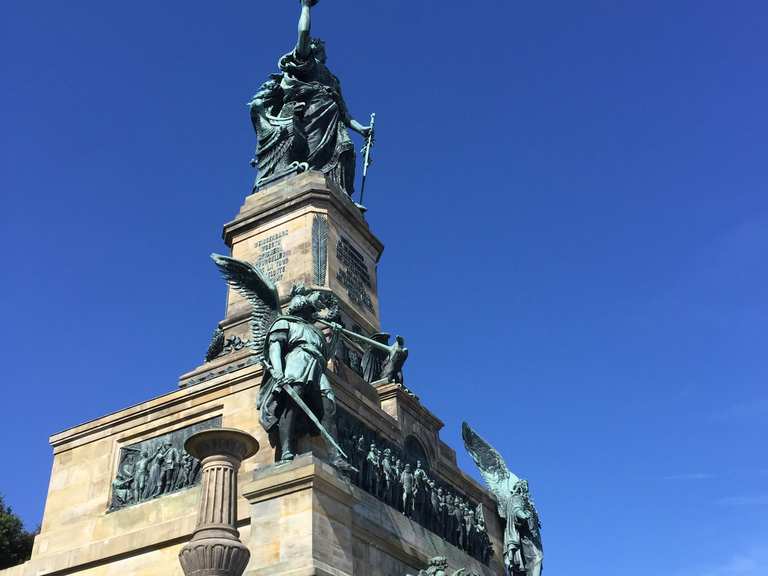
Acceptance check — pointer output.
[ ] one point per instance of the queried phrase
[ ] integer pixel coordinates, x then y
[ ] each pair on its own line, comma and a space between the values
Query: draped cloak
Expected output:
305, 351
324, 119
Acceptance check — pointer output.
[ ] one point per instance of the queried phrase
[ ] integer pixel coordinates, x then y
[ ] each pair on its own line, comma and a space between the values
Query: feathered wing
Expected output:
216, 347
260, 292
492, 466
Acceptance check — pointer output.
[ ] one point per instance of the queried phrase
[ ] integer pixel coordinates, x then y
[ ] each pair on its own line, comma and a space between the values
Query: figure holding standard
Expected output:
301, 118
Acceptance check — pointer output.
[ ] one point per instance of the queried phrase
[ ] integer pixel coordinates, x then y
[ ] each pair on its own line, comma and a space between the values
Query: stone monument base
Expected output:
307, 519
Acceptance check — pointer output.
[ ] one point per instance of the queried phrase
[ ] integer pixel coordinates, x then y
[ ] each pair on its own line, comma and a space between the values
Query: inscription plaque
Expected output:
272, 258
353, 274
157, 466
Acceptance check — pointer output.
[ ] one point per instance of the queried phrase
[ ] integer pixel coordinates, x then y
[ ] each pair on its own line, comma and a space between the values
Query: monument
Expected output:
294, 448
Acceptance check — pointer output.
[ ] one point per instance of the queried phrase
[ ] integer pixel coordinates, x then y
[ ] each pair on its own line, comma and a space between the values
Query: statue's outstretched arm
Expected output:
359, 128
305, 24
276, 359
350, 122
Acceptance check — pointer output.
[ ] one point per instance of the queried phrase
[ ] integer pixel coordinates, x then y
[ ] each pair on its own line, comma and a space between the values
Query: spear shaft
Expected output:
367, 160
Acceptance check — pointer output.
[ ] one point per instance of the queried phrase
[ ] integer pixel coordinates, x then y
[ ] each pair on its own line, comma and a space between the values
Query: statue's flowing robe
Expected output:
324, 120
280, 143
522, 544
373, 364
304, 359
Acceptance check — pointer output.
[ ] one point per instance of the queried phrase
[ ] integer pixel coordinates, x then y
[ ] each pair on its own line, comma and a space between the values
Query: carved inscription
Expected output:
272, 258
353, 274
156, 467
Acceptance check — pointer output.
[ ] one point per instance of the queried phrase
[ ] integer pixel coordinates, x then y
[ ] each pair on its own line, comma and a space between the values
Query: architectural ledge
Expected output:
290, 193
392, 393
306, 472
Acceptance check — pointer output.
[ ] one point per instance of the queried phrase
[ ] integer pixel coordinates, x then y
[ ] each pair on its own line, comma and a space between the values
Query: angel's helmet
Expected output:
520, 487
301, 301
309, 304
317, 47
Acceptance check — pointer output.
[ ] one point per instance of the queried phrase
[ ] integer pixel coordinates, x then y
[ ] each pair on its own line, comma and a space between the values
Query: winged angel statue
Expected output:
523, 554
296, 397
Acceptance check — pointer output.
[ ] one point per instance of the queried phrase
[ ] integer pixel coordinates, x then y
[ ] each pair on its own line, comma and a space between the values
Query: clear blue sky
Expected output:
573, 201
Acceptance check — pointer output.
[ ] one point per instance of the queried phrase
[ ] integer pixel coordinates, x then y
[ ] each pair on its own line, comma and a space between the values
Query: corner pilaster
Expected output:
301, 520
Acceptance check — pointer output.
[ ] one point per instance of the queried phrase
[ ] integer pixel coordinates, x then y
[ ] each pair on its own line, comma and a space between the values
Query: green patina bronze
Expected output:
438, 566
296, 397
523, 553
300, 117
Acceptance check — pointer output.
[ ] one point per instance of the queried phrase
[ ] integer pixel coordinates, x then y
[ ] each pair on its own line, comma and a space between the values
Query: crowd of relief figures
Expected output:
156, 467
401, 479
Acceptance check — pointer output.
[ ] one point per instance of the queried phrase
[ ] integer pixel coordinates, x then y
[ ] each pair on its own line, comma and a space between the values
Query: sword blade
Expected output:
367, 160
296, 398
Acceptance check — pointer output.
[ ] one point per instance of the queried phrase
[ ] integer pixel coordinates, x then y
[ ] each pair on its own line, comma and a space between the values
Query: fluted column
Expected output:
215, 548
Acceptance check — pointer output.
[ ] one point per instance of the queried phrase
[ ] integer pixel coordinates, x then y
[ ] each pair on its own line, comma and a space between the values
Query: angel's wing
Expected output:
260, 292
492, 466
216, 347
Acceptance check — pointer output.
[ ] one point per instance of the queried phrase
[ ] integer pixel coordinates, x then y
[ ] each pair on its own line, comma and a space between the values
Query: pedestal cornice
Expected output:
291, 193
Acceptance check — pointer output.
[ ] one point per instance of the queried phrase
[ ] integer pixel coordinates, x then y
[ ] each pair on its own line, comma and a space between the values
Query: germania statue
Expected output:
523, 554
300, 117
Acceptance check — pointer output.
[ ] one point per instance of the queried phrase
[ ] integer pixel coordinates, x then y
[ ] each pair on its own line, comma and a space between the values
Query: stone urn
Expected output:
215, 548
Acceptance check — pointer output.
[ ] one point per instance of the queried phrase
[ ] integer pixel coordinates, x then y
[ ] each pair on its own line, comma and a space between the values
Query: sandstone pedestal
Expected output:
308, 519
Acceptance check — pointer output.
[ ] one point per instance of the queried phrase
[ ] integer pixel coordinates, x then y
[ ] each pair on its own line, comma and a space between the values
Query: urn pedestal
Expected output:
215, 548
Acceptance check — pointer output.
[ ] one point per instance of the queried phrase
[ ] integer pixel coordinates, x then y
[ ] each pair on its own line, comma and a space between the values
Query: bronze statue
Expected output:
523, 553
407, 485
169, 458
374, 358
296, 396
438, 566
300, 117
